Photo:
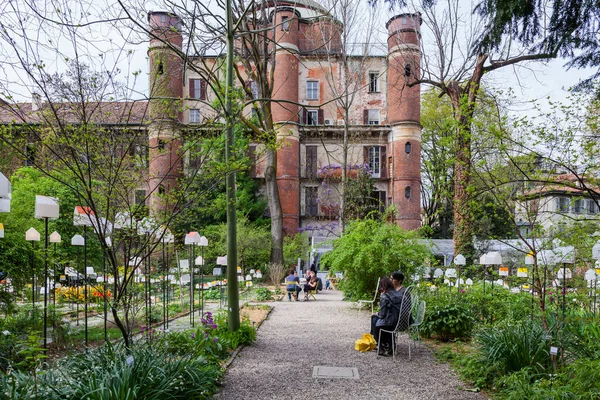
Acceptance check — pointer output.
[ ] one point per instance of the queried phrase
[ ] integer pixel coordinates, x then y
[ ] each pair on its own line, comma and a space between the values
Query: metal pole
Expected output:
564, 289
32, 281
192, 284
149, 284
46, 284
164, 290
77, 287
85, 282
234, 304
167, 267
191, 268
105, 292
202, 284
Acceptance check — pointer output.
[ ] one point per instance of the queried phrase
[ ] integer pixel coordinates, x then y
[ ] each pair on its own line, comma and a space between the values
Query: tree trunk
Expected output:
122, 327
463, 100
274, 207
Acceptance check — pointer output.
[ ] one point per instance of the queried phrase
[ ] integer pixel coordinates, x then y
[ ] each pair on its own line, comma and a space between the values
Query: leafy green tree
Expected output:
370, 249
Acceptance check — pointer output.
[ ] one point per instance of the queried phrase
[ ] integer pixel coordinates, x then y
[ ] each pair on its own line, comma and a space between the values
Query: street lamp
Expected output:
145, 228
547, 257
46, 208
108, 242
491, 258
5, 193
54, 238
223, 262
458, 261
202, 243
167, 237
78, 240
191, 239
32, 236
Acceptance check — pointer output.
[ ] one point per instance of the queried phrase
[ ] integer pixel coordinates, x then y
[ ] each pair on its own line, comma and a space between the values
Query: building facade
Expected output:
383, 125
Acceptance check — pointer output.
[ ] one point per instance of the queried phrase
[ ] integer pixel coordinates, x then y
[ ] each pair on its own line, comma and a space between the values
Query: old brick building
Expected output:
384, 122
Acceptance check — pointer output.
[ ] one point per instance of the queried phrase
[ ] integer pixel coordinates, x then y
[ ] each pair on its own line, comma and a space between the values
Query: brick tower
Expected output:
285, 116
404, 113
165, 108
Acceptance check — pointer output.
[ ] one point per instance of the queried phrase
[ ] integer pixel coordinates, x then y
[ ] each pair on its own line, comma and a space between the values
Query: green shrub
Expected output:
213, 294
579, 380
106, 373
447, 321
469, 364
243, 336
512, 347
581, 335
263, 294
370, 249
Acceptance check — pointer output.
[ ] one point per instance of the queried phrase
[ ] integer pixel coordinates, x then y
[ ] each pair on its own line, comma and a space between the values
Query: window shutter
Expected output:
321, 117
202, 89
192, 93
366, 154
384, 170
304, 116
366, 117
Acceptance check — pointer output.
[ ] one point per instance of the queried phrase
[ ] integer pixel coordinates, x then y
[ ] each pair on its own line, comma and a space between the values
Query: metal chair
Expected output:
415, 326
361, 302
404, 319
291, 291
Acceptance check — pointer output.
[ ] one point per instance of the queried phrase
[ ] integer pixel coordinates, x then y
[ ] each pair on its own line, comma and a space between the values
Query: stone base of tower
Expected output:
405, 143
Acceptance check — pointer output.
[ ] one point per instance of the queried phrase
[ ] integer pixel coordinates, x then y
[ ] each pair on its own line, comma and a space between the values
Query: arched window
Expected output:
408, 147
407, 192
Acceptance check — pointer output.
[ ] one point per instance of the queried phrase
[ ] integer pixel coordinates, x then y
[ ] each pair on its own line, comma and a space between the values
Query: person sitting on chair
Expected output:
387, 318
311, 284
397, 281
291, 287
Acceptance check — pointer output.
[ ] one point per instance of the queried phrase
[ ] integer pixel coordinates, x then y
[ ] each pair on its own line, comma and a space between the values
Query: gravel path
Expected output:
300, 335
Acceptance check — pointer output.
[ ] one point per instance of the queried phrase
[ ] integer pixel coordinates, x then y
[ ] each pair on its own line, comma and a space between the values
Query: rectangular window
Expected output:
378, 199
375, 161
194, 116
373, 117
312, 90
30, 154
311, 162
198, 89
373, 82
312, 117
285, 24
312, 206
592, 207
140, 197
562, 204
578, 206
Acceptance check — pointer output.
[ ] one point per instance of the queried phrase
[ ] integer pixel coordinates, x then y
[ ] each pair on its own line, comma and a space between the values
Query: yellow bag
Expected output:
366, 343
